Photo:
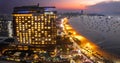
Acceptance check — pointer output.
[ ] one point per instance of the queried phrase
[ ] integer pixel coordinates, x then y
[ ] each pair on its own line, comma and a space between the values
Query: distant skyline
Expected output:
90, 6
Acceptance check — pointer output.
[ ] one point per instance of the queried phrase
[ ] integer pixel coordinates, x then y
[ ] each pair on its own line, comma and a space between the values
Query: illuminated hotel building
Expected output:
34, 25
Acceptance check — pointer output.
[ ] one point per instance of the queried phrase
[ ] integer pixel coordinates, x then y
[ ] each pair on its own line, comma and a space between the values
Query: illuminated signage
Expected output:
25, 11
49, 13
50, 9
22, 14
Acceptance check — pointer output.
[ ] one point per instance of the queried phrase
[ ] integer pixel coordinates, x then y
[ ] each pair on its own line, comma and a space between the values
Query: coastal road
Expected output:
90, 49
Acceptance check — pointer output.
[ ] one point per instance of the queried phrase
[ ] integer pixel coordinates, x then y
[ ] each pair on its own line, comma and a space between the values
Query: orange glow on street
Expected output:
84, 42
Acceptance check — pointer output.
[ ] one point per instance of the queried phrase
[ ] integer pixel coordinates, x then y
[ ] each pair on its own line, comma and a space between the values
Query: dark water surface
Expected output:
102, 30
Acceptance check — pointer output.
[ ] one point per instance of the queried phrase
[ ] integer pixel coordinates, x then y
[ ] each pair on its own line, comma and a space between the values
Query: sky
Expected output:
97, 6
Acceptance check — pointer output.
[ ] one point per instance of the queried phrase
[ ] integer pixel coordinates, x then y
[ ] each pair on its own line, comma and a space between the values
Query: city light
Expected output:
31, 28
79, 37
22, 14
88, 45
35, 34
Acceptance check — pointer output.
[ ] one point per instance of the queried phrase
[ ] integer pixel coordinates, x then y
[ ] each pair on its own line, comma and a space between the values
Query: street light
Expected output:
74, 33
79, 37
79, 51
88, 45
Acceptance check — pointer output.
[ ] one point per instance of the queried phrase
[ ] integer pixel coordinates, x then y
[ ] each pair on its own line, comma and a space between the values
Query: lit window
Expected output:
49, 21
17, 34
45, 39
49, 35
28, 21
36, 17
37, 43
42, 31
49, 39
35, 35
27, 42
28, 25
45, 19
42, 42
49, 27
42, 17
25, 18
28, 16
36, 39
38, 29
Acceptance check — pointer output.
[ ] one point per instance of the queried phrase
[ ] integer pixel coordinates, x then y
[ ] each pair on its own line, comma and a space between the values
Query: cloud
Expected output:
109, 8
112, 7
7, 6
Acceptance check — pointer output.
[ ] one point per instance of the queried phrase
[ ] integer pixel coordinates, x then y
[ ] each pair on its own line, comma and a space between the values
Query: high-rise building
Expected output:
34, 25
82, 12
5, 25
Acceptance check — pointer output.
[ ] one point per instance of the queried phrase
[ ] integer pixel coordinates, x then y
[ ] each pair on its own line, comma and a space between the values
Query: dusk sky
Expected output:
97, 6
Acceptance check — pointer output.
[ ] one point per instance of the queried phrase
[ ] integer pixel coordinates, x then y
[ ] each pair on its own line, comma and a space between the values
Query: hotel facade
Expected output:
35, 26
